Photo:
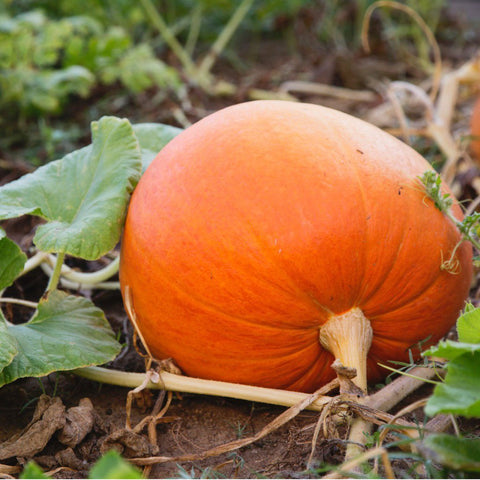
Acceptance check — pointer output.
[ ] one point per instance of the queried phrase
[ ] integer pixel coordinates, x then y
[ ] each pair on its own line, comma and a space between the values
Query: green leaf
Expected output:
12, 260
112, 465
8, 344
32, 471
468, 325
65, 333
450, 350
460, 392
456, 453
83, 196
152, 138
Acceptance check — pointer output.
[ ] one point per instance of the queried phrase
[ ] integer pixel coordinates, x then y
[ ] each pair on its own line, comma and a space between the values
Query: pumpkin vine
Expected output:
469, 227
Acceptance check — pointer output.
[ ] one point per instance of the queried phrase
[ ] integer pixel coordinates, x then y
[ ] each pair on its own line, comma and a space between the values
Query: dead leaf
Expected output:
79, 422
49, 416
67, 458
129, 444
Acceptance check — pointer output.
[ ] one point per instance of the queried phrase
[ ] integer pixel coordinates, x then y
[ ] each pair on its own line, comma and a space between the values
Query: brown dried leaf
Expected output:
129, 444
79, 422
67, 458
49, 416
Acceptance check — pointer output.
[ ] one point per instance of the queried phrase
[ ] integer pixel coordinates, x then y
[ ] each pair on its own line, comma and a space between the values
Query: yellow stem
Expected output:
348, 337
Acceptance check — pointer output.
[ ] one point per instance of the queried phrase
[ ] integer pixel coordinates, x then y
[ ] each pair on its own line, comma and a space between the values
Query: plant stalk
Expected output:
169, 37
90, 278
348, 337
224, 37
57, 269
180, 383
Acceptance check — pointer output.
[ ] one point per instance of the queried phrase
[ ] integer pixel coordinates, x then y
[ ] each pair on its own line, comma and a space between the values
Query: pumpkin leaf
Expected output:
456, 453
450, 350
152, 138
66, 332
8, 344
12, 260
460, 392
33, 471
468, 325
112, 465
83, 196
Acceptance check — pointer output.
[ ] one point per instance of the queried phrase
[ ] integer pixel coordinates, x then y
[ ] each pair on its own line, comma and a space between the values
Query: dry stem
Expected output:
348, 337
281, 420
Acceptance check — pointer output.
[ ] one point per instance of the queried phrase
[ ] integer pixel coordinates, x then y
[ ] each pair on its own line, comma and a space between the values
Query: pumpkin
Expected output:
271, 237
475, 130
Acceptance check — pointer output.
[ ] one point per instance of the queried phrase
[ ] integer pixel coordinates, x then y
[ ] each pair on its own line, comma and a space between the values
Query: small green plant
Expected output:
469, 227
110, 465
44, 61
459, 394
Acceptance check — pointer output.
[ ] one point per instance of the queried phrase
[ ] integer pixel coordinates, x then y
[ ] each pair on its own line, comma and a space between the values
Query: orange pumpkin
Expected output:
257, 227
475, 130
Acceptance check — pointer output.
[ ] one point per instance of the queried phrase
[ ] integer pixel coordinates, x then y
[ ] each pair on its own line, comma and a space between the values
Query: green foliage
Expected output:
66, 332
33, 471
454, 453
152, 138
87, 191
469, 227
44, 61
12, 260
110, 465
459, 394
83, 198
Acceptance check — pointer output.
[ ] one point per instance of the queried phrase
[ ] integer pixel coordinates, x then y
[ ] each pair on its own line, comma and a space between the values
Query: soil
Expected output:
193, 424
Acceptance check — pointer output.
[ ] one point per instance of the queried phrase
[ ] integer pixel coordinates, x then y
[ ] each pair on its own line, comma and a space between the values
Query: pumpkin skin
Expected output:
475, 130
256, 224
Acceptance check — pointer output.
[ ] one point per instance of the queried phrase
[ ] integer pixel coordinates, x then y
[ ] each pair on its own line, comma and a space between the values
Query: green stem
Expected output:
224, 37
54, 279
193, 33
459, 225
169, 37
19, 301
90, 278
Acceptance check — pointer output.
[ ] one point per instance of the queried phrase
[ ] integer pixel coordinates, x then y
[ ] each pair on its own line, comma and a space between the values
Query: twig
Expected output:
421, 23
328, 91
278, 422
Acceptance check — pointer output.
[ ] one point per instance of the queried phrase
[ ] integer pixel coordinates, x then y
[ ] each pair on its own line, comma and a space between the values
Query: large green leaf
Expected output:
456, 453
8, 344
83, 196
468, 326
12, 260
460, 392
65, 333
450, 350
152, 138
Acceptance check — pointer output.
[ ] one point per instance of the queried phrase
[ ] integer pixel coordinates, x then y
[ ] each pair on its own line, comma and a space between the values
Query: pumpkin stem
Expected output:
348, 337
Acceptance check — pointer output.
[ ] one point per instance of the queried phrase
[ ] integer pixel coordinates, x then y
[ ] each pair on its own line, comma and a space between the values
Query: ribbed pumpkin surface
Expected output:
256, 224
